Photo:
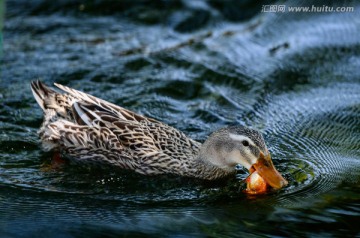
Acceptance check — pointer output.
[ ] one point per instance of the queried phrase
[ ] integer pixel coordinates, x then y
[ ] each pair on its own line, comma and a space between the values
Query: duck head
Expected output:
235, 145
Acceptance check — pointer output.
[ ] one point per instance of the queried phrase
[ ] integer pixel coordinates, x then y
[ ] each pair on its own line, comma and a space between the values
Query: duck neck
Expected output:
202, 169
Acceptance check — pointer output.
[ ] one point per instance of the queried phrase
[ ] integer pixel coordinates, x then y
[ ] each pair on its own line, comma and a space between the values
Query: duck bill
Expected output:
266, 169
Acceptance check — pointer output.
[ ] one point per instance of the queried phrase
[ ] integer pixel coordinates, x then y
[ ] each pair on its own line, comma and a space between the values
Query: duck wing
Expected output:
95, 110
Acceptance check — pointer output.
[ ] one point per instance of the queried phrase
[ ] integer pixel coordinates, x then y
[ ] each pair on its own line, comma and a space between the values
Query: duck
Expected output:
91, 130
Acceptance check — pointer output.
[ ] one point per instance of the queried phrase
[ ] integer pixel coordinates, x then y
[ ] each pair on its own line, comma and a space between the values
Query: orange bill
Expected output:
265, 168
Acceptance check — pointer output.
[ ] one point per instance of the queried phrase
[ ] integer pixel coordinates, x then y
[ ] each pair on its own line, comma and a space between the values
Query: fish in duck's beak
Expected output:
266, 169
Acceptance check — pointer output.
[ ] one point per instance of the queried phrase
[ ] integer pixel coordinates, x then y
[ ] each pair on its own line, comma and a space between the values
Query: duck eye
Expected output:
245, 143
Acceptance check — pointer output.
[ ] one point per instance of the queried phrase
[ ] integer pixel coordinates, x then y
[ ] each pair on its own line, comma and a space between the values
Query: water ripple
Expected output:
292, 76
310, 126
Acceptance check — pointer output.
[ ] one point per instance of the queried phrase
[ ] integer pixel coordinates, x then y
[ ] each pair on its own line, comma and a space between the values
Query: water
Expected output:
198, 66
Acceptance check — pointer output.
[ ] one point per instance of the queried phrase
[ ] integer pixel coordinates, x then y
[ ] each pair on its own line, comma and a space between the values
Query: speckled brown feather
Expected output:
95, 131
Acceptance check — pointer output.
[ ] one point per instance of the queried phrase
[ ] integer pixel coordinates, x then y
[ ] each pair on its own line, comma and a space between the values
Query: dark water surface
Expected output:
198, 66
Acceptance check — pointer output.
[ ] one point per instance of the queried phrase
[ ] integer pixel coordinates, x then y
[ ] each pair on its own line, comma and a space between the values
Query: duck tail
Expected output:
41, 92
